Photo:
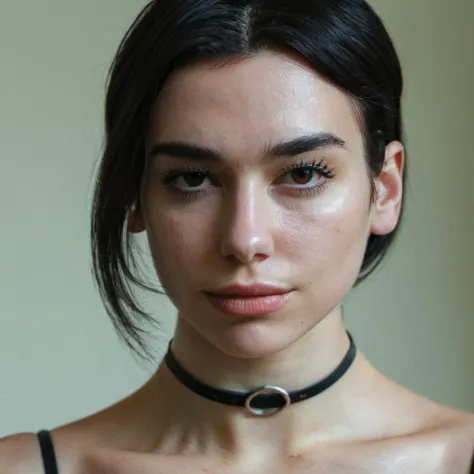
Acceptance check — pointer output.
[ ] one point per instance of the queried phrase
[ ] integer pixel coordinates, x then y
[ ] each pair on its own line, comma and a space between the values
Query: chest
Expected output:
407, 460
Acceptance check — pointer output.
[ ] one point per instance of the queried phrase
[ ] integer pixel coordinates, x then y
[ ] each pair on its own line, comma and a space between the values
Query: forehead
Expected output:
244, 105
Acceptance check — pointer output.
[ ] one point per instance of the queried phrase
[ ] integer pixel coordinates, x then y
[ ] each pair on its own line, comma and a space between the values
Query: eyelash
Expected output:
317, 166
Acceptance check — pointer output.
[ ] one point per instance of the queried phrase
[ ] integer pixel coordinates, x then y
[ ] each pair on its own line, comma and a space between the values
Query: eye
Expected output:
193, 180
306, 176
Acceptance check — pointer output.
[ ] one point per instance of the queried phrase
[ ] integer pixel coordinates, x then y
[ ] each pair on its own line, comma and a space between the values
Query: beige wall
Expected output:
59, 356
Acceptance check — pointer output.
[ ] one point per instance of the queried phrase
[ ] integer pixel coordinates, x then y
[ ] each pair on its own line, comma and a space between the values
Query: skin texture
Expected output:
255, 221
250, 225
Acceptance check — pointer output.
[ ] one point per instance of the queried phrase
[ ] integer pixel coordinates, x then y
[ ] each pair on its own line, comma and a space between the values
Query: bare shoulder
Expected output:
452, 433
464, 421
112, 428
454, 422
461, 425
73, 443
19, 454
419, 428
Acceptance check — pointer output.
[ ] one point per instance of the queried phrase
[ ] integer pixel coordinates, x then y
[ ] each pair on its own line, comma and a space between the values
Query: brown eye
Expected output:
305, 177
193, 180
302, 175
188, 182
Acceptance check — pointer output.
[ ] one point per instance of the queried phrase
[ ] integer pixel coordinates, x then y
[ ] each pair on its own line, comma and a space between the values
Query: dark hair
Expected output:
344, 40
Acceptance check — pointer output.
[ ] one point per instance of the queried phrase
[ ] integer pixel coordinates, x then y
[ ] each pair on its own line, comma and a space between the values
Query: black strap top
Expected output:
47, 452
49, 456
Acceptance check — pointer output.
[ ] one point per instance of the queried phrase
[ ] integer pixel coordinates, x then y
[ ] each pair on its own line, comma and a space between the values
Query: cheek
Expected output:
328, 238
177, 244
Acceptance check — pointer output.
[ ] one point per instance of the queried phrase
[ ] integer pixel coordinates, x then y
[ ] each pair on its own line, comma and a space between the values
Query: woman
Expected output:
258, 143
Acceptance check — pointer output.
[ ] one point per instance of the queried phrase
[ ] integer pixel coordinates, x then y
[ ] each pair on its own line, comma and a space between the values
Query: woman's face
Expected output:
238, 204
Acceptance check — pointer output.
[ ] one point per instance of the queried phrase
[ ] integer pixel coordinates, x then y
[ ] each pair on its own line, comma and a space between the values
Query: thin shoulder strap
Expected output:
47, 452
472, 465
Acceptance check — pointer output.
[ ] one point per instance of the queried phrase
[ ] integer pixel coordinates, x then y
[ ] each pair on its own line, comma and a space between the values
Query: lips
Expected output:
255, 290
252, 300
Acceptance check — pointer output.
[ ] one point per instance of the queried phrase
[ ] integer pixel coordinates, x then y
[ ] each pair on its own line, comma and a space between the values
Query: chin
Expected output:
257, 339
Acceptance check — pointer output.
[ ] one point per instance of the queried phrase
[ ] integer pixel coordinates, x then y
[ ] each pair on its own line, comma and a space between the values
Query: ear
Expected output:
135, 223
389, 191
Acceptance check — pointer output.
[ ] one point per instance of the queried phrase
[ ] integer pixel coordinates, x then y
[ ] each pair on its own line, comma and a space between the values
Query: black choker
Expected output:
264, 401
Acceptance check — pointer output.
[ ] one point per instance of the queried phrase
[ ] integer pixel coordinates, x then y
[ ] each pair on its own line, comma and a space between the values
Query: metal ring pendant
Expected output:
267, 390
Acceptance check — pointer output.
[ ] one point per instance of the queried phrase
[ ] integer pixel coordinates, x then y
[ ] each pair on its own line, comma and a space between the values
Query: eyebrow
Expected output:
291, 148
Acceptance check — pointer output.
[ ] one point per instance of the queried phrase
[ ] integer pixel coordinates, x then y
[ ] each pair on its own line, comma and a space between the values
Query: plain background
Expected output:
59, 356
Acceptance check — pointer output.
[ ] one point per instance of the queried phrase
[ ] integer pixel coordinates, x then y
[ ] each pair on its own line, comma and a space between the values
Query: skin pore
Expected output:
225, 201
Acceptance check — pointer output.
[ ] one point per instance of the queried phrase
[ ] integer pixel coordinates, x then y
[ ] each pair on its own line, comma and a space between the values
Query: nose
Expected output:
247, 225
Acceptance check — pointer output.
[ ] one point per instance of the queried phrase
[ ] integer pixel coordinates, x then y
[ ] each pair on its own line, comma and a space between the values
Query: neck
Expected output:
305, 362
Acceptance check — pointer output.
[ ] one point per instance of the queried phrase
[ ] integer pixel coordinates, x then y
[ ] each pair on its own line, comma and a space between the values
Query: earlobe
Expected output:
389, 191
135, 223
